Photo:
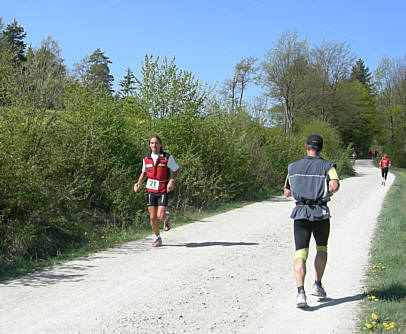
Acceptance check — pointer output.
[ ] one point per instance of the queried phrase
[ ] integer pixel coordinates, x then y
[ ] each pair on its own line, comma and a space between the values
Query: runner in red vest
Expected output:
155, 168
384, 164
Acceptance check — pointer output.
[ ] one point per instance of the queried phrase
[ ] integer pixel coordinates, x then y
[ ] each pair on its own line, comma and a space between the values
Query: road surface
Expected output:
230, 273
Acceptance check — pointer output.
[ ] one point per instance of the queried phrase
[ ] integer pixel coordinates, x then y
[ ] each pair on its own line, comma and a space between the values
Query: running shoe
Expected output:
318, 290
157, 242
301, 300
167, 223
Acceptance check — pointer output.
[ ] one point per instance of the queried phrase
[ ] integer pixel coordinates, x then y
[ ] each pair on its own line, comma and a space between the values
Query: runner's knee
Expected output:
302, 254
321, 249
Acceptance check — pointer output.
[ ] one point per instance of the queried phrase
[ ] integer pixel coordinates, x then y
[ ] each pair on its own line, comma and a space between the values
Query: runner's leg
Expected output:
321, 232
302, 234
153, 218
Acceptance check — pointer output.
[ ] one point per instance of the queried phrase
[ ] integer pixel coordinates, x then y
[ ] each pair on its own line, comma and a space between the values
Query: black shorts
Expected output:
157, 199
384, 172
303, 230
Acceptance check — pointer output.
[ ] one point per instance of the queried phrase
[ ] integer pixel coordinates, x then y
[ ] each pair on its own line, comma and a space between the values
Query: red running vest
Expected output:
159, 171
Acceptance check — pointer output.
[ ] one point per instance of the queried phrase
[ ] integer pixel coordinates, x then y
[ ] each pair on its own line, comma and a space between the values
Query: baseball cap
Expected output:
315, 141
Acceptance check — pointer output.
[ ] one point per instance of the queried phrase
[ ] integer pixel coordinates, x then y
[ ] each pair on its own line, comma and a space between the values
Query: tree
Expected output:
13, 38
43, 78
390, 78
331, 62
163, 90
127, 85
94, 72
362, 74
229, 92
243, 75
355, 115
244, 71
283, 75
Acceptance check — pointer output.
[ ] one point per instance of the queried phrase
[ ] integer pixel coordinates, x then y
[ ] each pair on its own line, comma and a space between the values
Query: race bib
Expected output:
152, 184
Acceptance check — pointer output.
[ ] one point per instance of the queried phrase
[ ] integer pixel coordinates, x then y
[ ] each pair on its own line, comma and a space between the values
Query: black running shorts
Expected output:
157, 199
303, 230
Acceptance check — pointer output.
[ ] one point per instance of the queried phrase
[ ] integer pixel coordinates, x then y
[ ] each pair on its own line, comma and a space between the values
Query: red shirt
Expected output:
385, 162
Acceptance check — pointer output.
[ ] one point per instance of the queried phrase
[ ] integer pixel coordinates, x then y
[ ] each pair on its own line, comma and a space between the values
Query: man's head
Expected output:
314, 143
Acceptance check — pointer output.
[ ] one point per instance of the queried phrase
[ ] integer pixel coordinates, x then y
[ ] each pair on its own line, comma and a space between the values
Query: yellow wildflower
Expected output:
373, 323
368, 325
374, 316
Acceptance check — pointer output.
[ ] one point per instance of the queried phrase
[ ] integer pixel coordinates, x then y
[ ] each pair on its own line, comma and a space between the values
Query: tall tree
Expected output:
244, 72
12, 37
390, 78
164, 90
44, 77
229, 92
355, 115
361, 73
127, 85
283, 74
94, 71
331, 63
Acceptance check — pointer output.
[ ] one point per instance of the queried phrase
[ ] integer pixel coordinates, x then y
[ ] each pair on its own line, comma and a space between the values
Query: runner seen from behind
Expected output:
155, 168
311, 181
384, 164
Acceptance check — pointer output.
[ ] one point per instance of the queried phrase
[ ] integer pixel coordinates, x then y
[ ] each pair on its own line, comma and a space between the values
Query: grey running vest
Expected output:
308, 179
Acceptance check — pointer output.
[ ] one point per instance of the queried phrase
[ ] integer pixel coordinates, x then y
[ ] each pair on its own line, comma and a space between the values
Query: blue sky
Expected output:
207, 37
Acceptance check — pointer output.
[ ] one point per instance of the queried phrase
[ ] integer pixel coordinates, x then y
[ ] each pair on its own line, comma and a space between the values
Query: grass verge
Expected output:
384, 307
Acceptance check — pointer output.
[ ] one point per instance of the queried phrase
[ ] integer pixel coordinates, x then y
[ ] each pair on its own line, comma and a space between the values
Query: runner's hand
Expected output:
169, 187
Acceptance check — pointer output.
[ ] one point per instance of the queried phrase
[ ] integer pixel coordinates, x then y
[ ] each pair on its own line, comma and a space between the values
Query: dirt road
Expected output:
230, 273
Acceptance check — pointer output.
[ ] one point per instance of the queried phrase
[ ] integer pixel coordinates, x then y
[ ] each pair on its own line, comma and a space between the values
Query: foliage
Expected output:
332, 144
12, 38
164, 90
361, 73
283, 73
355, 116
391, 89
94, 72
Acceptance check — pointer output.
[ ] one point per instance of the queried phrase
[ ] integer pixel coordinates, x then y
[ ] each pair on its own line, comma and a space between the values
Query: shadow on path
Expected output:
327, 302
214, 243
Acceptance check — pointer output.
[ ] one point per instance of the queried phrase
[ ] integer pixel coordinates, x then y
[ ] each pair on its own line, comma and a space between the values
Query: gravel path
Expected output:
230, 273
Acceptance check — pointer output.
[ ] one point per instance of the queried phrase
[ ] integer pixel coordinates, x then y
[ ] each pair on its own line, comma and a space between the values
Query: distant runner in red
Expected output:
155, 168
384, 164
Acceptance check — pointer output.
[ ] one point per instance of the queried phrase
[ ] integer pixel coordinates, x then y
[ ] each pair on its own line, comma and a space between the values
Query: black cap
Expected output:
314, 141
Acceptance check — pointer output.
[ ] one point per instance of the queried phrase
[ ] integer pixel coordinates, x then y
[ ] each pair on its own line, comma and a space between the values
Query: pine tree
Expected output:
94, 72
361, 73
13, 38
127, 85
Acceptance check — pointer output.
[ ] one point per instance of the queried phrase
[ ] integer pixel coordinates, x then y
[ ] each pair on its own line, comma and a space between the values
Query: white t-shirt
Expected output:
172, 165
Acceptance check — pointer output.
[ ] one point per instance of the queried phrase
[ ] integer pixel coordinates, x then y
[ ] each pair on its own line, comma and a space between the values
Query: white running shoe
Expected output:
318, 291
167, 222
301, 300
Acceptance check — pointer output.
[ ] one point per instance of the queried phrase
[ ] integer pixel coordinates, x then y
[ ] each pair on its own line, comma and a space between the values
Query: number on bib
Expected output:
152, 184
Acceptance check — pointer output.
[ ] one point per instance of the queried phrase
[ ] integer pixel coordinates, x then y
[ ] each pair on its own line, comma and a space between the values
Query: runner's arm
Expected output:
141, 179
172, 180
333, 181
286, 189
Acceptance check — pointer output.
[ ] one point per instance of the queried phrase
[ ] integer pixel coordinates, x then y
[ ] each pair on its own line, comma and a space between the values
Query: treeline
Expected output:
71, 146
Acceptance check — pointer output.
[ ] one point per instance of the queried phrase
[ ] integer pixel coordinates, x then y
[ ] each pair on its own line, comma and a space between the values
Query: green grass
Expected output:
386, 276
